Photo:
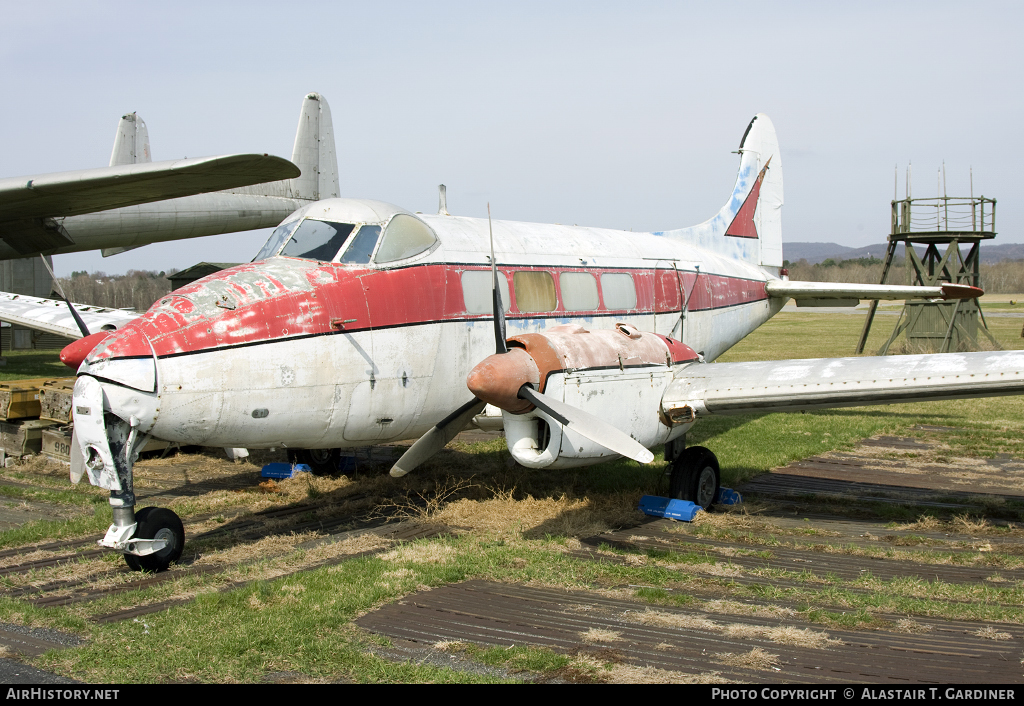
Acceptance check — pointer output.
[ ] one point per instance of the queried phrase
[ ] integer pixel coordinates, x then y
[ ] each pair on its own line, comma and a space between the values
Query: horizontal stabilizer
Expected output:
839, 290
90, 190
53, 316
822, 383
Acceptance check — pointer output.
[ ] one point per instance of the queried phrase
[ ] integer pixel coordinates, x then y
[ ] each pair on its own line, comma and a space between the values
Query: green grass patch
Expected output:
33, 364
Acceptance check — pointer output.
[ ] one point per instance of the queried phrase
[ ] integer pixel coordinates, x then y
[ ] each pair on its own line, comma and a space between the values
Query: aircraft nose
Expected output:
126, 369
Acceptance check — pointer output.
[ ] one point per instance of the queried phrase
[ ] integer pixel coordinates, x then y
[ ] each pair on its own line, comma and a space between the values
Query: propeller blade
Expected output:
435, 439
74, 314
498, 308
584, 424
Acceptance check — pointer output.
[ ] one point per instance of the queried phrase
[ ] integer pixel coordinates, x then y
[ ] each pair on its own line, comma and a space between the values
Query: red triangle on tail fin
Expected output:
742, 225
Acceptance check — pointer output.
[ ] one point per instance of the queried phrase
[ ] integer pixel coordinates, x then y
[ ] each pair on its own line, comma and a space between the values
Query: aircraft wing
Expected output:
104, 188
792, 385
840, 291
53, 316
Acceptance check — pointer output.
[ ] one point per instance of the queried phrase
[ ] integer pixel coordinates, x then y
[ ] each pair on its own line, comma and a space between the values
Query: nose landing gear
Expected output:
105, 447
166, 537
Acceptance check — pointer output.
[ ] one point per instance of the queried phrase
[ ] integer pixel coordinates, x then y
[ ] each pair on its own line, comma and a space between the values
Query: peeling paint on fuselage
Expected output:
382, 354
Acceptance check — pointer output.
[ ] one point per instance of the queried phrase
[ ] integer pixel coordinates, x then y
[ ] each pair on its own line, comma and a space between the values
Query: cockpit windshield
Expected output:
310, 239
317, 240
279, 235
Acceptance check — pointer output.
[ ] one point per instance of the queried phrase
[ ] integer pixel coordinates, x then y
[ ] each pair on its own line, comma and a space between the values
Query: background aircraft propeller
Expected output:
584, 424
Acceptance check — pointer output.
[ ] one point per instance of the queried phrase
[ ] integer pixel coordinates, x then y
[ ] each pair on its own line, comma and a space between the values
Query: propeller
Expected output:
78, 319
500, 380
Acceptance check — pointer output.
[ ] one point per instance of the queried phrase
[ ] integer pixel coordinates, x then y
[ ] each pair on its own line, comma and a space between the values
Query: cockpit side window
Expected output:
404, 237
361, 249
279, 235
317, 240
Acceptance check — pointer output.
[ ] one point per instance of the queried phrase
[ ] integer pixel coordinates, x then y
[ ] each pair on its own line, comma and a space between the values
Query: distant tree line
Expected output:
137, 289
1005, 277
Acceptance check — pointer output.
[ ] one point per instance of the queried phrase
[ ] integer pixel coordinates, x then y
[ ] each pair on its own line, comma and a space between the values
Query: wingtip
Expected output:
961, 291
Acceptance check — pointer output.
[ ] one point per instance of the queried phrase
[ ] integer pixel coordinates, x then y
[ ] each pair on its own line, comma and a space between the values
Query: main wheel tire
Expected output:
695, 477
157, 523
323, 462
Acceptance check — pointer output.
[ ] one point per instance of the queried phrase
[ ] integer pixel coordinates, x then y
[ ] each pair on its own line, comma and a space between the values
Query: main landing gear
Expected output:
323, 462
695, 477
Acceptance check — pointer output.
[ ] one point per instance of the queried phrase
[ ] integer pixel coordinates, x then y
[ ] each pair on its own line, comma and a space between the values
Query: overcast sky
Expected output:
620, 115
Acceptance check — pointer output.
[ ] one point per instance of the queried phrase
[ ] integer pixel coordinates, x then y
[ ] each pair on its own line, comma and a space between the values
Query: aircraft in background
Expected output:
135, 201
361, 323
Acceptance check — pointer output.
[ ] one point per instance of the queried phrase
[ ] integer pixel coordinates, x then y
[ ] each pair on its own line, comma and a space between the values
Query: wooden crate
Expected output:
57, 443
25, 437
19, 399
55, 400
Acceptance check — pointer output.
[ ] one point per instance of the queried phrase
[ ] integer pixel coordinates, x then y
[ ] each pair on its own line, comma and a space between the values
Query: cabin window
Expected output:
317, 240
619, 291
579, 291
280, 234
363, 243
404, 237
535, 291
476, 291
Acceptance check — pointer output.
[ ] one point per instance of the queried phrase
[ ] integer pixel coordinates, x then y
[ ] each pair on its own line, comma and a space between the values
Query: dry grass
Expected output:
685, 621
505, 515
448, 645
620, 673
782, 634
990, 633
599, 636
754, 610
755, 659
913, 627
422, 553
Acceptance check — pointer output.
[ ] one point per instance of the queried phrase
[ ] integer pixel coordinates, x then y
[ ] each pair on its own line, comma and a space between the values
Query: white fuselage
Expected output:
305, 354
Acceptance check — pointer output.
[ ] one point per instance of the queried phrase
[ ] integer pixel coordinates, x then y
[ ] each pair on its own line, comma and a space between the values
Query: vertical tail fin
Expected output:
749, 225
131, 143
313, 154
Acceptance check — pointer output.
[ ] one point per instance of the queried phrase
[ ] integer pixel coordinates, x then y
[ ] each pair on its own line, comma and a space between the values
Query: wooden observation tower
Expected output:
960, 224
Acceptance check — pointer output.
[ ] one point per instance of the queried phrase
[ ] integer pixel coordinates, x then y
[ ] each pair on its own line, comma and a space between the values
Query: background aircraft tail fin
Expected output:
131, 143
313, 153
749, 225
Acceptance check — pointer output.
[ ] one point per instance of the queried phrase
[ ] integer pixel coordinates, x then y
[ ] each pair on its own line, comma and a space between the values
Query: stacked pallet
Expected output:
22, 422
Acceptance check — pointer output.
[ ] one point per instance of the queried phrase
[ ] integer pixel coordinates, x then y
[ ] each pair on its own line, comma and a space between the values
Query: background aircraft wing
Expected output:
104, 188
821, 383
53, 316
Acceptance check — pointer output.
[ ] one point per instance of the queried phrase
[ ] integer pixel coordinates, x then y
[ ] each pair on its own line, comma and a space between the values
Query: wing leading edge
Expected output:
821, 383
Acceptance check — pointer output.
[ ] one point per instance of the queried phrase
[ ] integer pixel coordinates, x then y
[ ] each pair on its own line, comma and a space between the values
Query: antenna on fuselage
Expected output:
442, 200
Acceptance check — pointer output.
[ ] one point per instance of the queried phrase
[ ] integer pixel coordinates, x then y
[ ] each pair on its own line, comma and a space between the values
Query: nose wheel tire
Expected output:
157, 523
695, 477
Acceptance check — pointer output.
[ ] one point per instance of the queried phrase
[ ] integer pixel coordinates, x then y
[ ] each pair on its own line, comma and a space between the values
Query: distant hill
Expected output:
817, 252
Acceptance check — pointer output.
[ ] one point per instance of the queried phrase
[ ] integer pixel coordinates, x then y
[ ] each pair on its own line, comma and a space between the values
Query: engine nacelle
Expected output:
616, 375
629, 400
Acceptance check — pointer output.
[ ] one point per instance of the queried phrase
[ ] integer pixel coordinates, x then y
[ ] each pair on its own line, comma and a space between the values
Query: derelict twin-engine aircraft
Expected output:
360, 323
